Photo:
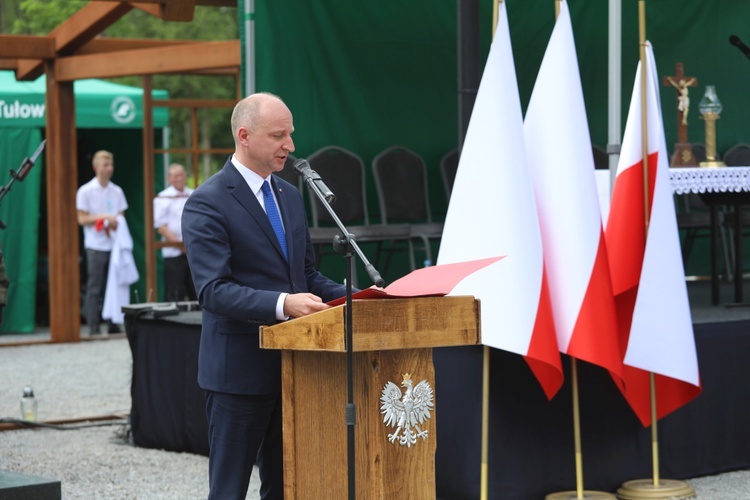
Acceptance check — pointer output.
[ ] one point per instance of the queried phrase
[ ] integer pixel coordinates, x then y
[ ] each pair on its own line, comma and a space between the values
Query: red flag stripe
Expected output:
543, 356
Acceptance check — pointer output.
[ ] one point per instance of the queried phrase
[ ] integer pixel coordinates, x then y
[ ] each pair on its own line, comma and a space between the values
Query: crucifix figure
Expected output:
683, 153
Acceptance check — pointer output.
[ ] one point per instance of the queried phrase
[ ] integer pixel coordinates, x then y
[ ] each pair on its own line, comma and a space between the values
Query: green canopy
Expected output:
99, 105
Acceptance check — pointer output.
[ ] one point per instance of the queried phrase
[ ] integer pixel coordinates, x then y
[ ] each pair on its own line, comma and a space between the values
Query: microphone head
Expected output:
300, 165
734, 40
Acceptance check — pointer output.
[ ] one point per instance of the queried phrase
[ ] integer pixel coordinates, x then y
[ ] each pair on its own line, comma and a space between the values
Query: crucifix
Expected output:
683, 153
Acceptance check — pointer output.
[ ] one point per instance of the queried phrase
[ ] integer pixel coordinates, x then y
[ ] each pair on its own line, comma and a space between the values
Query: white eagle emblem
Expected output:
406, 413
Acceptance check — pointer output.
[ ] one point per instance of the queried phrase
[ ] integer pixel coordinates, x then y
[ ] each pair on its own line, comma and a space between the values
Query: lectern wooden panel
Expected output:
391, 337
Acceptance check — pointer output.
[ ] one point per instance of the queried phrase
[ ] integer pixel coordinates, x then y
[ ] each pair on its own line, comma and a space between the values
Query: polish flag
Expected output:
492, 212
558, 150
656, 329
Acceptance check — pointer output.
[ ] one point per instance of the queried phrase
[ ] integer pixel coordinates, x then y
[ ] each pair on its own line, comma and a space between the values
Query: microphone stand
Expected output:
346, 243
21, 174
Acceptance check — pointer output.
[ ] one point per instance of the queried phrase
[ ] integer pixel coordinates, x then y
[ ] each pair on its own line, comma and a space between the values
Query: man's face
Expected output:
270, 142
177, 178
104, 168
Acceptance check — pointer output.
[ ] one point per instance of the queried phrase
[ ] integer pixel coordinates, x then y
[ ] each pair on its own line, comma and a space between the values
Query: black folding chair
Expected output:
401, 181
344, 173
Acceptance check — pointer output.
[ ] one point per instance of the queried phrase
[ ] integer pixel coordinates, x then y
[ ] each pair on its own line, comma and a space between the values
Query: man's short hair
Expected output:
175, 166
101, 155
246, 113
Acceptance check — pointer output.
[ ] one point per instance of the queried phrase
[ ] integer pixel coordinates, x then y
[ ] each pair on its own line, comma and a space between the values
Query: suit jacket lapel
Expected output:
242, 193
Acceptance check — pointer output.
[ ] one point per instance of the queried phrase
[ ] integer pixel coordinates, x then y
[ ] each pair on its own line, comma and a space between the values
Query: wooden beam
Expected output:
28, 69
102, 45
62, 228
204, 3
169, 10
160, 60
194, 103
15, 46
10, 64
153, 9
86, 24
77, 30
179, 10
230, 71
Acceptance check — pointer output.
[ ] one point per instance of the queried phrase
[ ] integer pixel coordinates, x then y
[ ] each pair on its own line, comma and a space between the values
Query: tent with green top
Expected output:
108, 116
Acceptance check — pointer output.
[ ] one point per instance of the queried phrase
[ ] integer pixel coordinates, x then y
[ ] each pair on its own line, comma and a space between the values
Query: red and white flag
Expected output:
558, 149
492, 212
646, 264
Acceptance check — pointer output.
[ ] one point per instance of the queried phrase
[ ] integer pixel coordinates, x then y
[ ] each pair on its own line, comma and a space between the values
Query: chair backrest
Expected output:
288, 173
344, 174
601, 159
448, 168
401, 182
738, 155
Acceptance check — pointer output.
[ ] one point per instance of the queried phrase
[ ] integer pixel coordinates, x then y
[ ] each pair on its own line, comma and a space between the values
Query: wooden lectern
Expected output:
391, 337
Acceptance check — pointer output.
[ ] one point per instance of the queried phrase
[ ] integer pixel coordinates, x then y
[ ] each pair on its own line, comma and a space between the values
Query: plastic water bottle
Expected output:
28, 404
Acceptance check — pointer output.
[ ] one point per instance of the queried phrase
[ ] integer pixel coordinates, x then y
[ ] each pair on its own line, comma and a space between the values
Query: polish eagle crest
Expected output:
406, 411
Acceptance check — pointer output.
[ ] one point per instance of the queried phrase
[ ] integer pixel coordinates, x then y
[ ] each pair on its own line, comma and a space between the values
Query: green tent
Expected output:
108, 116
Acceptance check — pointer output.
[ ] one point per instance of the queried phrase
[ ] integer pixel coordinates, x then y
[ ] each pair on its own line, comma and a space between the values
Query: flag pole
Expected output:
642, 488
580, 494
485, 421
485, 448
576, 424
647, 220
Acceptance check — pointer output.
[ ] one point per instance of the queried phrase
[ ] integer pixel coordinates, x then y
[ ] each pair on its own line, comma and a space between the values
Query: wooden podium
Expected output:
391, 337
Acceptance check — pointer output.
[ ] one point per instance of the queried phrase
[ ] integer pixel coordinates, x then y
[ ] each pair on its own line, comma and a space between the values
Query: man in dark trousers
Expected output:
252, 263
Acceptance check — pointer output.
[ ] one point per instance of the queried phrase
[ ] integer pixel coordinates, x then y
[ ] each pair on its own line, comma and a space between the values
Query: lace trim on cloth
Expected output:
703, 180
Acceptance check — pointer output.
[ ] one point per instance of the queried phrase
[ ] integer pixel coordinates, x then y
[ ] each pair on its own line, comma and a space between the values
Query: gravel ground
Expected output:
84, 380
93, 379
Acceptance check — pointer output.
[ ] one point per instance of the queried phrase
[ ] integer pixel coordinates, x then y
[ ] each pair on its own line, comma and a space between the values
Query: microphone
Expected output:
734, 40
303, 169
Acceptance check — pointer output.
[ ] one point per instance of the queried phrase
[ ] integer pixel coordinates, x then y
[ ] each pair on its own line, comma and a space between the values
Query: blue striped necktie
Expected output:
272, 211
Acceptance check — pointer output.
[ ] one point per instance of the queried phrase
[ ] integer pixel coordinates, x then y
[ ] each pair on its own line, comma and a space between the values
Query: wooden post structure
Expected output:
148, 188
682, 156
61, 161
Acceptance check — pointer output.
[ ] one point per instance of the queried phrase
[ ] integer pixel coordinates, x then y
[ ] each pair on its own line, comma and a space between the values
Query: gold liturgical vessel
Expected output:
710, 108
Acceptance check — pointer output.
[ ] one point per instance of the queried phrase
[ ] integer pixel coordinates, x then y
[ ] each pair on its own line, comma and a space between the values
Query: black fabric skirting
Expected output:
531, 439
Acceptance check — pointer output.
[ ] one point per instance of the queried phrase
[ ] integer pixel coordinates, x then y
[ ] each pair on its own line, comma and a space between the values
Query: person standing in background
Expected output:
98, 203
168, 205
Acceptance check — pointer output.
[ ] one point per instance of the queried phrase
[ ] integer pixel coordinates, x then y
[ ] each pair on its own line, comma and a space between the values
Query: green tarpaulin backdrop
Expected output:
371, 74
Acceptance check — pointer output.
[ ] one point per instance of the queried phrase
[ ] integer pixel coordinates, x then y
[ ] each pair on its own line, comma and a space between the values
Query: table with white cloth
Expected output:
718, 186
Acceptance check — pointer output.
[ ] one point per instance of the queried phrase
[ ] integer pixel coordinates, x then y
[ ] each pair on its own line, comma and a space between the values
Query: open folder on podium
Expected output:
435, 281
393, 334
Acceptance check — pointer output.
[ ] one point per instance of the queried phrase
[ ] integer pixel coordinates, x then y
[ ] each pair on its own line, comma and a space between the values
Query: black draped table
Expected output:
719, 186
531, 439
168, 407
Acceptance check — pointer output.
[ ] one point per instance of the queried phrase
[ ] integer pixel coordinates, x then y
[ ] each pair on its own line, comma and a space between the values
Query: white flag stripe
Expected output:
661, 336
559, 153
492, 210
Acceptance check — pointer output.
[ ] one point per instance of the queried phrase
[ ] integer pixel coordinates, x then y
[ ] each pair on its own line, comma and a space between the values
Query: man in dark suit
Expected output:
247, 275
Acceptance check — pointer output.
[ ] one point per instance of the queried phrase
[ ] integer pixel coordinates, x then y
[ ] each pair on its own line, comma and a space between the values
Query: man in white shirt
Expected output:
98, 203
168, 205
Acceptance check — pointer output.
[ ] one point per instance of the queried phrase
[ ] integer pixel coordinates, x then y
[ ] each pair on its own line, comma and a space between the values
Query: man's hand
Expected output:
301, 304
112, 221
